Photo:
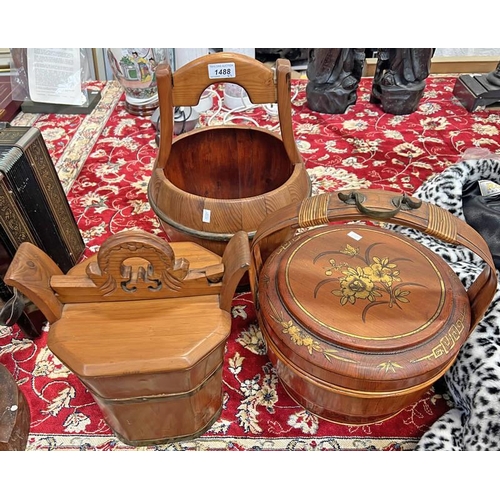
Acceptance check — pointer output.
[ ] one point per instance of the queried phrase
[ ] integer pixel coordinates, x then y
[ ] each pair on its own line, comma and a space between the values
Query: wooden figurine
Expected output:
334, 76
494, 76
143, 324
399, 80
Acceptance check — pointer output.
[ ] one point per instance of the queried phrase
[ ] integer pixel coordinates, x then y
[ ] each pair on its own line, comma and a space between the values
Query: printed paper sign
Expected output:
55, 76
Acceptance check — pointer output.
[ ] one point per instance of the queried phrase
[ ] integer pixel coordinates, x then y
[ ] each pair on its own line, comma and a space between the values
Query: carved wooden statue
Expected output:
143, 329
334, 76
398, 83
399, 80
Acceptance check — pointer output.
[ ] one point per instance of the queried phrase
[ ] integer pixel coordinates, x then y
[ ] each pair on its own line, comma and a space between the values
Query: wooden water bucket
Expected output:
360, 320
143, 324
209, 183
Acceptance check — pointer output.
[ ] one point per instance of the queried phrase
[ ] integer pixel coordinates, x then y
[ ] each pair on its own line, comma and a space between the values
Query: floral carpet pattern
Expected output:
104, 161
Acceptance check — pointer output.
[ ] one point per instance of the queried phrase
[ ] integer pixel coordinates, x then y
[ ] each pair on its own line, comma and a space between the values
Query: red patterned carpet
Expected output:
104, 161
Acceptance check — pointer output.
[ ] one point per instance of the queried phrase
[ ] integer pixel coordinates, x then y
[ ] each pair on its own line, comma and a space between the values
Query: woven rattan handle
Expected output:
384, 206
185, 86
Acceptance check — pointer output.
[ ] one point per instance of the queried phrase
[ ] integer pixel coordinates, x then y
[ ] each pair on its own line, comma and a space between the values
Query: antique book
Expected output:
34, 206
34, 209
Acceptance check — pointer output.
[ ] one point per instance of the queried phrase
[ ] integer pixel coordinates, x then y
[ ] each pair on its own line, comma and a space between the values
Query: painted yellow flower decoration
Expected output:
356, 285
382, 271
290, 329
298, 337
303, 339
370, 282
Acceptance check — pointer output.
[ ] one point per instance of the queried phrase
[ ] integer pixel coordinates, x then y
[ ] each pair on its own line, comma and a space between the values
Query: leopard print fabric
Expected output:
473, 381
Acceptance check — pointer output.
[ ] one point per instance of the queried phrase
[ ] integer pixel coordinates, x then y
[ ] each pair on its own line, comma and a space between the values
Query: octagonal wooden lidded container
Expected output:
143, 324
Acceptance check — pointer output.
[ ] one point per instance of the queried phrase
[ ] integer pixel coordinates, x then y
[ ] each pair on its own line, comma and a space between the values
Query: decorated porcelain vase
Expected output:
135, 69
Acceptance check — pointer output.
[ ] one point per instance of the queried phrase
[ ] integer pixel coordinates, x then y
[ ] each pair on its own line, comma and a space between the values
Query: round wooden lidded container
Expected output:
360, 320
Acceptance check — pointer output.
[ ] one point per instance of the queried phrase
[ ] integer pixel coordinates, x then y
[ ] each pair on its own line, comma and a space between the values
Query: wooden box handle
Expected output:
155, 273
185, 86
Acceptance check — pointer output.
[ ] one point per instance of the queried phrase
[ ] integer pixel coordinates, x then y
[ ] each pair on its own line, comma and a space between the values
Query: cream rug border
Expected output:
78, 149
64, 442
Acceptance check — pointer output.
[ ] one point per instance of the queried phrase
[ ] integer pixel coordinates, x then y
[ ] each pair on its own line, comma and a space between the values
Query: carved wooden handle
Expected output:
193, 78
185, 86
30, 272
163, 268
131, 265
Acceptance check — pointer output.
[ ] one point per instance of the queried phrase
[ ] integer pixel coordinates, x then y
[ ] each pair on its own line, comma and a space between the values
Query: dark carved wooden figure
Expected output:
399, 80
334, 76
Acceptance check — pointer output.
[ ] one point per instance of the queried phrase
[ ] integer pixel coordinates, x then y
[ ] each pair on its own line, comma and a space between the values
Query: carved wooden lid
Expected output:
110, 338
362, 298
